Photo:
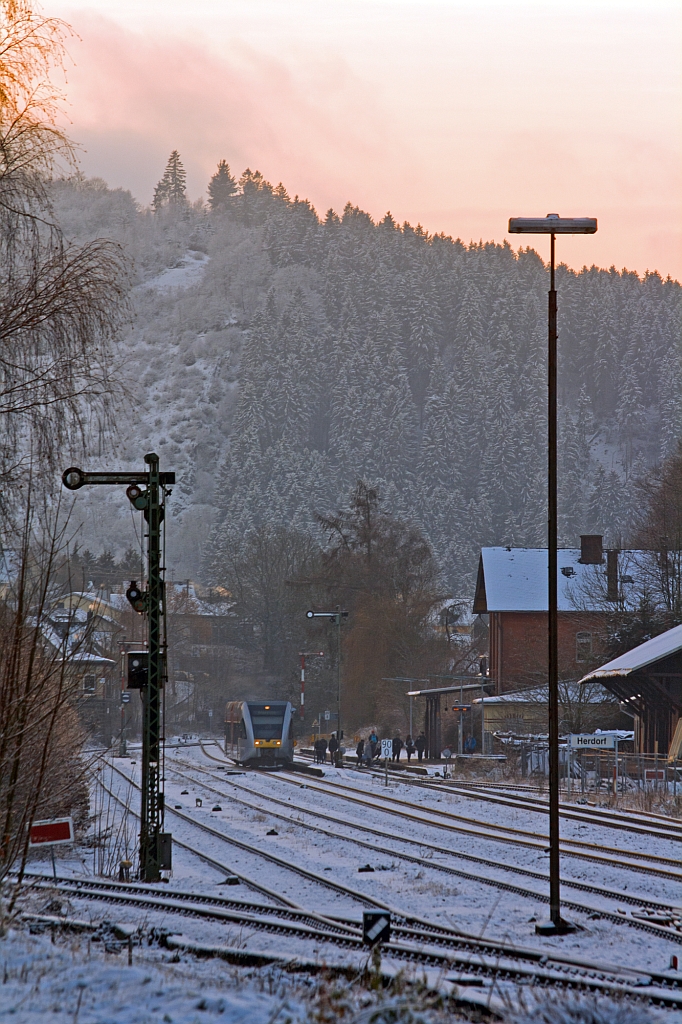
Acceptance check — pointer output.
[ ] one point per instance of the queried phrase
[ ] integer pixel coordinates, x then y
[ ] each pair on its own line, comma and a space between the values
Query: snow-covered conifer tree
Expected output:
221, 187
171, 189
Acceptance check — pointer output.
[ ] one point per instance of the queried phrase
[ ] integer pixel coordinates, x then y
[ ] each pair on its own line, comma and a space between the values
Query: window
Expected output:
583, 646
89, 683
267, 721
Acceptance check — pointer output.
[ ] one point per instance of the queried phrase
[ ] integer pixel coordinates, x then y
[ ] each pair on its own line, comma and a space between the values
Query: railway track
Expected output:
412, 942
648, 863
261, 917
647, 823
643, 862
654, 916
641, 823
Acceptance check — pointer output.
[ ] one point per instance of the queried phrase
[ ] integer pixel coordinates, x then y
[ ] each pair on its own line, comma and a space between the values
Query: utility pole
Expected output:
336, 618
147, 492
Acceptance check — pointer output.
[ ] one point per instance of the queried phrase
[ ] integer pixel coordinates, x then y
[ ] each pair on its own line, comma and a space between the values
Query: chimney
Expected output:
612, 575
591, 550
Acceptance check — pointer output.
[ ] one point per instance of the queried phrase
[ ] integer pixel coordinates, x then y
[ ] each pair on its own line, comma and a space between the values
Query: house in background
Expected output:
511, 590
81, 632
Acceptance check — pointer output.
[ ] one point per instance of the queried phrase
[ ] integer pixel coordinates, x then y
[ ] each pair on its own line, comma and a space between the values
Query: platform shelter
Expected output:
648, 682
433, 698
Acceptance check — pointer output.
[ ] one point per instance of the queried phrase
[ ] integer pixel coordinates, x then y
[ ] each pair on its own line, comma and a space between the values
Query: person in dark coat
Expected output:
323, 749
333, 747
397, 747
409, 748
360, 752
420, 744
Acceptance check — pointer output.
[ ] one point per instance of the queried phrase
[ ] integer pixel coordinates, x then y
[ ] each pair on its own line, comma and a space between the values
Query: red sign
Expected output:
49, 833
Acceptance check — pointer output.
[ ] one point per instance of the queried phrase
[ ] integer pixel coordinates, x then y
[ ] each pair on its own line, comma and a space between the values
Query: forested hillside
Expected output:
277, 356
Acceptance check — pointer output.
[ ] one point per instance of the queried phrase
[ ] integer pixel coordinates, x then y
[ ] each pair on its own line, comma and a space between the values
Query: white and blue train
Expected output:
259, 733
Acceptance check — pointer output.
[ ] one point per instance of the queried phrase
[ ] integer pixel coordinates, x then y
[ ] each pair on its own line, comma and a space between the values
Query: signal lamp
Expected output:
73, 478
137, 496
138, 669
135, 596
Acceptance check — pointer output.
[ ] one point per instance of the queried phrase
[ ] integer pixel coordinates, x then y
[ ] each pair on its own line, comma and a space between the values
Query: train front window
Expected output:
267, 721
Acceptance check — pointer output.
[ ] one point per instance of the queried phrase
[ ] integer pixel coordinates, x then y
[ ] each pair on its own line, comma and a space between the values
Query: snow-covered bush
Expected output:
575, 1009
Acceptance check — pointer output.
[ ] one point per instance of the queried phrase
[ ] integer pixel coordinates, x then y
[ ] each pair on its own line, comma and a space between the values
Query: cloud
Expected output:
457, 141
134, 99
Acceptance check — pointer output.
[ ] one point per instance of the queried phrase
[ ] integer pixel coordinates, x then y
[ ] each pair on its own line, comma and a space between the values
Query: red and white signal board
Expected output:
51, 833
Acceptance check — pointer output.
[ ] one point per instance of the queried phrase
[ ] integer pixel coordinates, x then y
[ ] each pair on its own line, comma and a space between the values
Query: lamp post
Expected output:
336, 618
553, 225
405, 679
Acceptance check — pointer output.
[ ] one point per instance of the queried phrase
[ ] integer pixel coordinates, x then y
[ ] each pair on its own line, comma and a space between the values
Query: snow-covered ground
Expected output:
320, 831
475, 908
189, 271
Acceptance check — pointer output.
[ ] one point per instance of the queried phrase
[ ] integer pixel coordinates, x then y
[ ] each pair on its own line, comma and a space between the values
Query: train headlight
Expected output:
256, 743
279, 743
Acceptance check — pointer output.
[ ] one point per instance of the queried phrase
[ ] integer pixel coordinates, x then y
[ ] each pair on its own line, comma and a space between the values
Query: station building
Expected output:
511, 592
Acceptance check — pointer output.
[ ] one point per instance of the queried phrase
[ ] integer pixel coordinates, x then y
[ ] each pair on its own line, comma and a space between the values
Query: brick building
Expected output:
511, 590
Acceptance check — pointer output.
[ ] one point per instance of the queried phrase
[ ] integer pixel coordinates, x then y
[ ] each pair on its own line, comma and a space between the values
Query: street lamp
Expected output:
553, 225
336, 618
405, 679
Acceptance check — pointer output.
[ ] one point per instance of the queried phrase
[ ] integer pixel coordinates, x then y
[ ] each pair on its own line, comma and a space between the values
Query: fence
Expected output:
604, 771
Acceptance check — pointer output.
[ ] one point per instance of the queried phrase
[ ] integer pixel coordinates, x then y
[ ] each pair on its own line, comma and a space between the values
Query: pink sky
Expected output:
454, 114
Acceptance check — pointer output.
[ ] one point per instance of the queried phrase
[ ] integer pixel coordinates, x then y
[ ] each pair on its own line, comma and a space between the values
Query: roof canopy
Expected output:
485, 681
540, 695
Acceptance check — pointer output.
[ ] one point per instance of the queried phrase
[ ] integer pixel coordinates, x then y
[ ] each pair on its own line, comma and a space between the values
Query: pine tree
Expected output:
221, 187
171, 190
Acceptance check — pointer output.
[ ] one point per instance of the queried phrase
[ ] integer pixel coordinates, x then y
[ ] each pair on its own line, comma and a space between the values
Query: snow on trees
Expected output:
171, 190
221, 188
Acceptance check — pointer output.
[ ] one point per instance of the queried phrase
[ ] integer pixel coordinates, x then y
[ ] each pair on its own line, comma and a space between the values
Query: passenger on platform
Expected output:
409, 748
373, 743
420, 744
470, 745
360, 752
397, 746
333, 747
323, 749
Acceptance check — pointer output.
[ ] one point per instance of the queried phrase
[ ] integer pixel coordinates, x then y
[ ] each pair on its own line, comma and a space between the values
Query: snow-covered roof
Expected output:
515, 580
659, 647
89, 658
540, 695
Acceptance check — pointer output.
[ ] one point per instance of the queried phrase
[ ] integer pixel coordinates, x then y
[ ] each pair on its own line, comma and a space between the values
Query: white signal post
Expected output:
303, 655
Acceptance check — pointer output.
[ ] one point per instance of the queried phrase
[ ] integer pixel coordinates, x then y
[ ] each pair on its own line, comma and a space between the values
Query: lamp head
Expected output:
552, 224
